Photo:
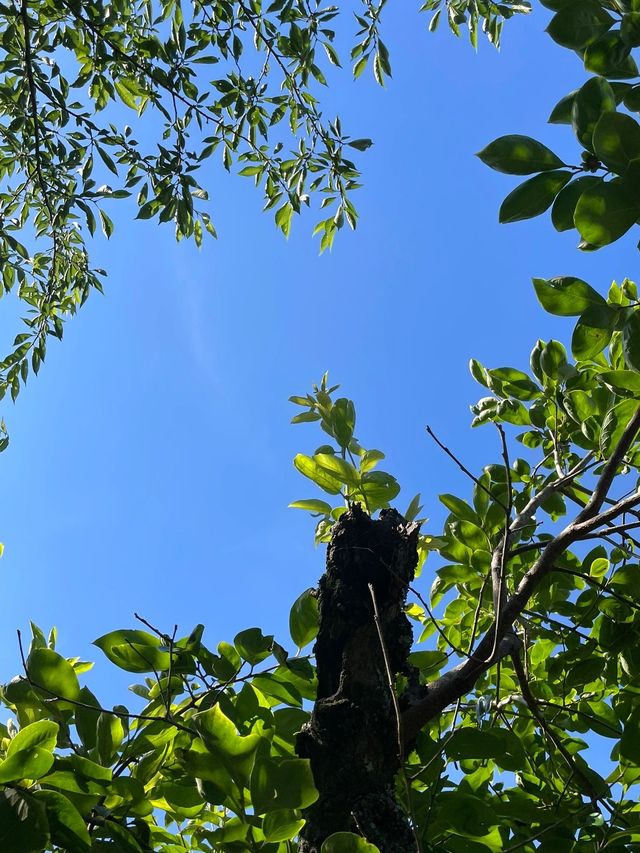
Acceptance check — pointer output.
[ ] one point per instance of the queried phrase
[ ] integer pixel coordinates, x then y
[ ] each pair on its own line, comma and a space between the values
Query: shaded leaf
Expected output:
533, 197
519, 155
605, 212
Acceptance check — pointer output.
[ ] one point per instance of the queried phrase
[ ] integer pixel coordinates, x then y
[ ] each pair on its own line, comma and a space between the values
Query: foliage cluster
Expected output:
536, 590
240, 81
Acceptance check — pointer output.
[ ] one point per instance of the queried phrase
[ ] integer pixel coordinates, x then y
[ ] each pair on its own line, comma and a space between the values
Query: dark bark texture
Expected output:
352, 737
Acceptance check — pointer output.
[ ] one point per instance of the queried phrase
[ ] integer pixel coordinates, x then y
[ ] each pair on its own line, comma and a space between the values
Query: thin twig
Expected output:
476, 615
438, 628
463, 468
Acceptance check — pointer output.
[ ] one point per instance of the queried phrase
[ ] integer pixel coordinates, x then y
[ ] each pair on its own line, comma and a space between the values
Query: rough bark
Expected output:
352, 737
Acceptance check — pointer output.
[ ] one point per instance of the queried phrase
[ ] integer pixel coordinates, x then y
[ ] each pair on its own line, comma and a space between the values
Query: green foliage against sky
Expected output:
528, 641
239, 82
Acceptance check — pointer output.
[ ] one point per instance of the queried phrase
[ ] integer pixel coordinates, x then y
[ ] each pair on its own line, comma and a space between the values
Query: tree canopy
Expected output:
239, 81
525, 664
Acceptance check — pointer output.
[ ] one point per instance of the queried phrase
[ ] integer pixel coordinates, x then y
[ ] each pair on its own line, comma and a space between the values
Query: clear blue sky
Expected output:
150, 462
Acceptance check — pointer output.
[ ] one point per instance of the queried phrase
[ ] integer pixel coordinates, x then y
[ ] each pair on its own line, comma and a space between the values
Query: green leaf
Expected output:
499, 745
305, 418
553, 359
616, 140
281, 825
338, 468
414, 508
283, 218
125, 841
605, 212
509, 382
29, 763
347, 842
282, 784
370, 459
615, 423
593, 332
468, 815
53, 674
632, 99
126, 94
253, 646
561, 113
564, 207
594, 99
134, 651
519, 155
332, 56
41, 734
86, 719
198, 763
459, 508
429, 663
343, 421
107, 224
181, 800
566, 296
109, 736
630, 29
630, 741
229, 662
320, 476
66, 824
622, 381
360, 144
303, 618
23, 823
631, 340
533, 197
106, 159
312, 505
379, 489
609, 57
470, 534
236, 751
578, 24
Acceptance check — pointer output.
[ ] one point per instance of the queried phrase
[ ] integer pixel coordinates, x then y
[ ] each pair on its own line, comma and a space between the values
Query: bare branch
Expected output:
623, 529
625, 505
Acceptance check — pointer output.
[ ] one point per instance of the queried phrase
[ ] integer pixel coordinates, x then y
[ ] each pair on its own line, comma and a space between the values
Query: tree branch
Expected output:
532, 705
500, 639
606, 478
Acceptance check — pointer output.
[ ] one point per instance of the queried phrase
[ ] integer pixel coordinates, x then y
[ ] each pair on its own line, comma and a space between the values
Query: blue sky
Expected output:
150, 462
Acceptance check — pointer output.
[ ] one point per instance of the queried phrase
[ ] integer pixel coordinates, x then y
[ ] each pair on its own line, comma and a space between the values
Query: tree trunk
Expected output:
352, 738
